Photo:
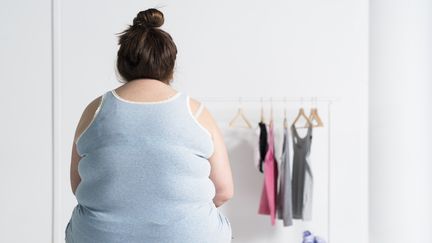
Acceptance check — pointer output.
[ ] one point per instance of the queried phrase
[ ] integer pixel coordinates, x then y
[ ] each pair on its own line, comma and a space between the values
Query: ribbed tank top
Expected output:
145, 176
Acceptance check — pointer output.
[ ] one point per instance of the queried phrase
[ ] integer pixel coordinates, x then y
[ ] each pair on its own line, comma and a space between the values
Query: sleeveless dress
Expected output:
145, 176
302, 176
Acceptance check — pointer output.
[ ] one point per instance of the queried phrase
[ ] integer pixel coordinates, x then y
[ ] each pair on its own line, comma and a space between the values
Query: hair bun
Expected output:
149, 18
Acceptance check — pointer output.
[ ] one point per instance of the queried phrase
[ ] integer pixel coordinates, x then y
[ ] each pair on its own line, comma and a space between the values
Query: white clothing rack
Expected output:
311, 100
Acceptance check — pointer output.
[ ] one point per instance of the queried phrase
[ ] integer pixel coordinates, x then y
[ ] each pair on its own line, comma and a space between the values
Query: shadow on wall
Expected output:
242, 209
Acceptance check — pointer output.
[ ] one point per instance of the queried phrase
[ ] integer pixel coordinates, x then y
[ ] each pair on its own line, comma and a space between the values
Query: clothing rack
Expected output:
302, 99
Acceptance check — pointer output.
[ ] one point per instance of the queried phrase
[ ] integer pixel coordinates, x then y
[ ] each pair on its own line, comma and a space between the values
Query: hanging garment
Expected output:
269, 189
145, 176
255, 141
284, 198
302, 178
263, 144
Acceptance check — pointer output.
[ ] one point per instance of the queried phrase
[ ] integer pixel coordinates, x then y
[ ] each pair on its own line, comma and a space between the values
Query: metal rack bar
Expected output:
267, 98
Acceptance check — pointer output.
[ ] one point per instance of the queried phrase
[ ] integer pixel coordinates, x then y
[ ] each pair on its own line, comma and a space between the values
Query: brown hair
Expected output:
145, 50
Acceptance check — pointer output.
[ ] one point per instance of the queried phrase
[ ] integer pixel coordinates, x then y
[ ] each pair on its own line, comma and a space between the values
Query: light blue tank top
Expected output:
145, 176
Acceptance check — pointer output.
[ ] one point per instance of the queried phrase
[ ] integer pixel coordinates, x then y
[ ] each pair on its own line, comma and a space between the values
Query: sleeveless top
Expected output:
263, 144
145, 176
269, 189
284, 197
302, 177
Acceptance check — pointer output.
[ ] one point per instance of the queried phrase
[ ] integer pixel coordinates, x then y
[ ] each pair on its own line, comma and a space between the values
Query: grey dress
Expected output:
302, 177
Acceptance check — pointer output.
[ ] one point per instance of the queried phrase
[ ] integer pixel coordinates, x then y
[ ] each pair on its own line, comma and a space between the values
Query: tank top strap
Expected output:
199, 110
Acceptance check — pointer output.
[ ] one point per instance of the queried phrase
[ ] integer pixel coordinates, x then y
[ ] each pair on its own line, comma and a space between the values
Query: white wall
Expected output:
226, 48
26, 127
312, 52
400, 121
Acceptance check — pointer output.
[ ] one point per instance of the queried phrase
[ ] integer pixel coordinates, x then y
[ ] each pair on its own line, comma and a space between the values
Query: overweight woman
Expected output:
149, 163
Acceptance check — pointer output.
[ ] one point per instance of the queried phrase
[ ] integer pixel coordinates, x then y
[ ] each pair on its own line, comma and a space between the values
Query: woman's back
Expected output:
145, 176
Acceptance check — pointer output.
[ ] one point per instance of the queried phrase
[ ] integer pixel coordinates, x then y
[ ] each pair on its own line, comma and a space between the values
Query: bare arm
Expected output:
220, 174
84, 121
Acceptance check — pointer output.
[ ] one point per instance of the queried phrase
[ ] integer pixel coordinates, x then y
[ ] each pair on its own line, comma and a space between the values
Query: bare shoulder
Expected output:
204, 117
87, 116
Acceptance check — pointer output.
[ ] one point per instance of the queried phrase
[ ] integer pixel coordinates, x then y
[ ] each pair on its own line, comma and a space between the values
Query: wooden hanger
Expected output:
302, 113
240, 114
315, 117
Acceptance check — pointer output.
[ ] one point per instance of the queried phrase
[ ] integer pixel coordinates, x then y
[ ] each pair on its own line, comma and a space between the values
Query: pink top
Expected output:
269, 190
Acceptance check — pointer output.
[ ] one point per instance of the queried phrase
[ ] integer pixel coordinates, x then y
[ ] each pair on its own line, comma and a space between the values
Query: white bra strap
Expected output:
198, 111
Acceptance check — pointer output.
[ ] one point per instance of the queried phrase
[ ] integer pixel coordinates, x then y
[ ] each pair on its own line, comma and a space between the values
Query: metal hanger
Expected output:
271, 109
262, 111
285, 121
